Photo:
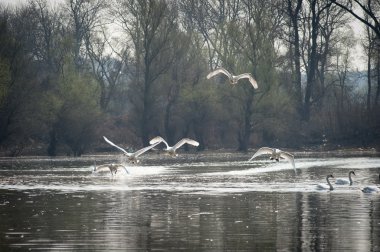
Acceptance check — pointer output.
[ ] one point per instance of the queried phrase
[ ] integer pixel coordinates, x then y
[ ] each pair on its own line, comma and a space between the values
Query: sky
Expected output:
358, 56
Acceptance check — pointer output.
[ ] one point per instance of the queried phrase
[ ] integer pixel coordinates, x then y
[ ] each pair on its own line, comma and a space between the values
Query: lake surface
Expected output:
195, 202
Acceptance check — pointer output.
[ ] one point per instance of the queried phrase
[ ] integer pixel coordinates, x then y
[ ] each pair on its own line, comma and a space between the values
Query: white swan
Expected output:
324, 186
234, 78
344, 181
275, 154
111, 167
371, 189
132, 157
171, 150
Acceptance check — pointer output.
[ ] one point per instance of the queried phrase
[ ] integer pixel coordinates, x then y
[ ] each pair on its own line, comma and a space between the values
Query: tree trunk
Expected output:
312, 66
245, 133
378, 77
297, 53
369, 78
52, 148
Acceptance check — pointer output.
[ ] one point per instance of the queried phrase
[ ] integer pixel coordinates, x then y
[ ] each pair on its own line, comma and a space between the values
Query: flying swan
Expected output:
111, 167
275, 154
132, 157
324, 186
234, 78
171, 150
344, 181
371, 189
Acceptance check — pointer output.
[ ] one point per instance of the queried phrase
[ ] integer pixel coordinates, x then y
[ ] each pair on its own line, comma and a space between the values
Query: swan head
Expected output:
133, 160
329, 176
352, 172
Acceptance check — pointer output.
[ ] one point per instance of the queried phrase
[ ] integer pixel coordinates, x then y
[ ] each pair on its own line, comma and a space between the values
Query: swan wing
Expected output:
145, 149
101, 168
289, 157
185, 141
322, 187
218, 71
114, 145
158, 139
370, 189
250, 78
122, 166
342, 181
262, 151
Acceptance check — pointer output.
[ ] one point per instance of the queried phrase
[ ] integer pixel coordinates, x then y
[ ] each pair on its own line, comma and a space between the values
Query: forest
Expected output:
131, 70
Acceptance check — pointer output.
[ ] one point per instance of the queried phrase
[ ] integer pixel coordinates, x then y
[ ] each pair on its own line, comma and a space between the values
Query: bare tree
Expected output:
151, 27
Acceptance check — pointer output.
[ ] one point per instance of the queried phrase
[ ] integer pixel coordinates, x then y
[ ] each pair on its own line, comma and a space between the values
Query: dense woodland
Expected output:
134, 69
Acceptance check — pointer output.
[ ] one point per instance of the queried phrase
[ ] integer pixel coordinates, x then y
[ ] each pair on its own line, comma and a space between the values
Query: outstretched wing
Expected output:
101, 168
114, 145
289, 157
262, 151
145, 149
158, 139
218, 71
185, 141
250, 78
122, 166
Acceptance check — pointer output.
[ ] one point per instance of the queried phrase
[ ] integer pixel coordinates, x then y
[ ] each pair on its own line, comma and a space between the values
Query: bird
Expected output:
275, 154
171, 150
234, 78
132, 157
371, 189
344, 181
112, 167
324, 186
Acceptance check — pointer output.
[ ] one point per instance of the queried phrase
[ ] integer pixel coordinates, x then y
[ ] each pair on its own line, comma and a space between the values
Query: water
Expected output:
189, 203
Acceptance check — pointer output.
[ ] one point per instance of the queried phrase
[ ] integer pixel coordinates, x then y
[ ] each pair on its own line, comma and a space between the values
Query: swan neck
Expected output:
328, 182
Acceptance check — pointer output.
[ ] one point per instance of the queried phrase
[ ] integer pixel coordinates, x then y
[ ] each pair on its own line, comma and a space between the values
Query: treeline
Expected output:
134, 69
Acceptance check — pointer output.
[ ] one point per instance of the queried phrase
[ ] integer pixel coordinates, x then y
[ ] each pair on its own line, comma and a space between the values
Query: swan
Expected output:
112, 167
275, 154
233, 78
171, 150
371, 189
344, 181
324, 186
132, 157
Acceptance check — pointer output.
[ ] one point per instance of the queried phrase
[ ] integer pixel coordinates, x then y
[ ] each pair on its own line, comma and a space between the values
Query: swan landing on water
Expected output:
132, 157
324, 186
113, 168
234, 78
275, 154
171, 150
344, 181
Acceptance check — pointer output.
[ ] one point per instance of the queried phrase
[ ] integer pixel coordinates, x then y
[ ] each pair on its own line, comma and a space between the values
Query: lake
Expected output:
197, 202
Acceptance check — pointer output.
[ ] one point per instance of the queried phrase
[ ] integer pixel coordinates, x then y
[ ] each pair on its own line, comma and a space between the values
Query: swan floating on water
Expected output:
324, 186
132, 157
111, 167
371, 189
275, 154
171, 150
233, 78
344, 181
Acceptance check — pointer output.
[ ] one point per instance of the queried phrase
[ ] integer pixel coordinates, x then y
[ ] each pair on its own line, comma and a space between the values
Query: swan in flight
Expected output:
344, 181
171, 150
234, 78
111, 167
132, 157
371, 189
275, 154
324, 186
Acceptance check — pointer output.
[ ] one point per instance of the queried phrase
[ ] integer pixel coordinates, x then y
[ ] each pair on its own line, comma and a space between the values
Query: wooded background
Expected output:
134, 69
